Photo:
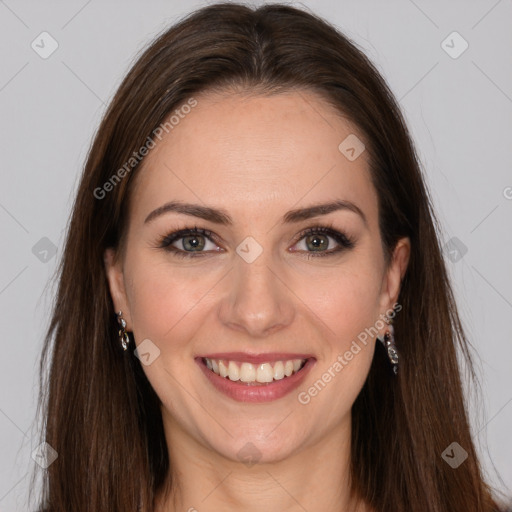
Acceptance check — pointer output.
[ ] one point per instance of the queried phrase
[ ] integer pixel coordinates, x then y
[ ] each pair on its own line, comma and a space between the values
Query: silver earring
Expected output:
123, 335
389, 344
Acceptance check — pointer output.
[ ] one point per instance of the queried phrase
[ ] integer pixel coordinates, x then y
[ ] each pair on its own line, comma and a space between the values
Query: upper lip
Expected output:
256, 358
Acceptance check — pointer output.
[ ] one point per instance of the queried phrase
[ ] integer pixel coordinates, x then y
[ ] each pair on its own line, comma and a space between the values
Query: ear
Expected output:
115, 277
394, 274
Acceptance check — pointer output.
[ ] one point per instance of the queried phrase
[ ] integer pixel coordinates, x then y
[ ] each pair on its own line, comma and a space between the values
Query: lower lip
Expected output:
267, 392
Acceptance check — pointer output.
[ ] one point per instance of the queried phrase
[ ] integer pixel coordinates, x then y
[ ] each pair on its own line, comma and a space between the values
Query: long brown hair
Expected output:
100, 413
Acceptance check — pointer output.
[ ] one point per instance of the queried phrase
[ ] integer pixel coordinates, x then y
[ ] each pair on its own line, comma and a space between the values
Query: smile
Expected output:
254, 373
263, 379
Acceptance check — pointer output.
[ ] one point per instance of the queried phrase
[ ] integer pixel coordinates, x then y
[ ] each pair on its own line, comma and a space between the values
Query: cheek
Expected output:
161, 300
345, 299
166, 308
347, 305
353, 314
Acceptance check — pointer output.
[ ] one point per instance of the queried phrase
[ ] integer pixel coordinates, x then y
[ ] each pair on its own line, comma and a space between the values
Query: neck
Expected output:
315, 477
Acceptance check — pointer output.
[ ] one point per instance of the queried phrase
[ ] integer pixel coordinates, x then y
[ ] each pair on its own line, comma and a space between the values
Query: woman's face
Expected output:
255, 292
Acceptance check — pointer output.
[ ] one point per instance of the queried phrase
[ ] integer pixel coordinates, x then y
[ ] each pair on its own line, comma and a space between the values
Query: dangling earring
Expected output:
123, 335
389, 343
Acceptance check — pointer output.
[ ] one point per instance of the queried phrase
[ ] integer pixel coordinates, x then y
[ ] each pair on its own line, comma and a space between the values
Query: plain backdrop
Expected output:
455, 91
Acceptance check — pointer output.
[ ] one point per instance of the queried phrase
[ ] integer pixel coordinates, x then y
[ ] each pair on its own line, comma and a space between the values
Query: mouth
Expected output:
254, 374
255, 378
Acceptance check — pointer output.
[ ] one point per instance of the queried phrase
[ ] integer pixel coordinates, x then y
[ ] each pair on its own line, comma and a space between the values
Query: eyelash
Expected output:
343, 240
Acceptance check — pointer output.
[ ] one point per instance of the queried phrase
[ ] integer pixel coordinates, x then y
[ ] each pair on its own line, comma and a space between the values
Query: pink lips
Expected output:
245, 392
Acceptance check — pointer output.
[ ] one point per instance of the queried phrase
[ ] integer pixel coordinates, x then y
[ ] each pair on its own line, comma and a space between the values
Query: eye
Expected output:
316, 241
193, 242
190, 242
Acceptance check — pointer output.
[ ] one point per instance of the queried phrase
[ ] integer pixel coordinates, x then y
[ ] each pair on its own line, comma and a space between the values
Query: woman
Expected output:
253, 310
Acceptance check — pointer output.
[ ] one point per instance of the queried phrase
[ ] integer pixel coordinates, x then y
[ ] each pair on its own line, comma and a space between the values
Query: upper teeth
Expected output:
248, 372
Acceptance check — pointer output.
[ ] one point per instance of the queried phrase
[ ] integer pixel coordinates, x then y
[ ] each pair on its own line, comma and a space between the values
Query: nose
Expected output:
259, 302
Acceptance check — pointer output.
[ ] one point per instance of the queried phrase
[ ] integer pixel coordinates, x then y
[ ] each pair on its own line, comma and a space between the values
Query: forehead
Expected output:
253, 154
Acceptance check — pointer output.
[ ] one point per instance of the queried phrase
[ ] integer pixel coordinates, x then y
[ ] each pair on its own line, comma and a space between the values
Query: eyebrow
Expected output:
221, 217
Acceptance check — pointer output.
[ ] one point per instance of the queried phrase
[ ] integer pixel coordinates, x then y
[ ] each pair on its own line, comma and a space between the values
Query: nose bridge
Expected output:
258, 301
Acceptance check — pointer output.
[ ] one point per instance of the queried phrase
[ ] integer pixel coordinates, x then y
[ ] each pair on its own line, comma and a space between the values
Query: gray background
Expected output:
459, 111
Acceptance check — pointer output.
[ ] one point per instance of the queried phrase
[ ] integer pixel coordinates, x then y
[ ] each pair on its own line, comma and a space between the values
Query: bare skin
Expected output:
256, 157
